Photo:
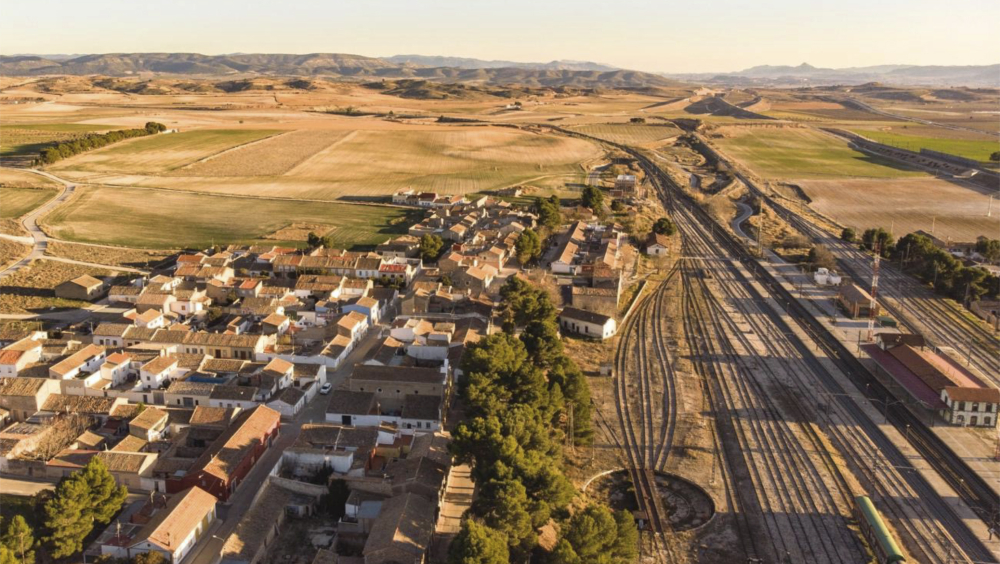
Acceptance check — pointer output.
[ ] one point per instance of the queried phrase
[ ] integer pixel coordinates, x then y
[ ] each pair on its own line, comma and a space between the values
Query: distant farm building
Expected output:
85, 288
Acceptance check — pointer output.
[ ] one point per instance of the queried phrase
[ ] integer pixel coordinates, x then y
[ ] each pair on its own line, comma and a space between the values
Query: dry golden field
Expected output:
329, 158
630, 134
298, 144
952, 211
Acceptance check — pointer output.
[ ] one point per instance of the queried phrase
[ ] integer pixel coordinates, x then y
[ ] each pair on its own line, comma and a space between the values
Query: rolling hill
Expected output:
331, 65
808, 75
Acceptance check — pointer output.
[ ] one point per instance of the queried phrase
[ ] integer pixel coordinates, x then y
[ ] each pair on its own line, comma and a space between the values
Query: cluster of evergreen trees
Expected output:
87, 498
528, 246
947, 275
549, 215
917, 254
522, 394
592, 198
65, 150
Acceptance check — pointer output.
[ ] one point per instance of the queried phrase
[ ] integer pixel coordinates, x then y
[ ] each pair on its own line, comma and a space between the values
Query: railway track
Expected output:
881, 447
909, 301
903, 296
646, 425
970, 487
797, 485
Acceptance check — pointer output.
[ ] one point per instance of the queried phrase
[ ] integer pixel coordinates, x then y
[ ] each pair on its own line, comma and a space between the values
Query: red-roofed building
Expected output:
19, 354
172, 531
935, 380
226, 462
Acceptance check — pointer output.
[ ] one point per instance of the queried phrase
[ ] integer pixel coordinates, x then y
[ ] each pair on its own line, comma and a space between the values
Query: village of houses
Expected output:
235, 384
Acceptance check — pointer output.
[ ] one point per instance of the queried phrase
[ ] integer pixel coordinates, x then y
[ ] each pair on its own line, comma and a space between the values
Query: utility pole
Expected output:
873, 304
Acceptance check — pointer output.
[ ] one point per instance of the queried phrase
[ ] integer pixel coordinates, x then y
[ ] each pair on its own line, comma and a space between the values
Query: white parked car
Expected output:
325, 388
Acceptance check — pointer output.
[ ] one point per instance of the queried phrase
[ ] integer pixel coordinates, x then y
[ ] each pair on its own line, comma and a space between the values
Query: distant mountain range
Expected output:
581, 74
466, 63
335, 65
808, 75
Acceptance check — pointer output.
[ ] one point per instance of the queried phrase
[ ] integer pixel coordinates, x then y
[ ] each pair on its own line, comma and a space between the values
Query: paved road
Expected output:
209, 548
745, 213
594, 177
39, 240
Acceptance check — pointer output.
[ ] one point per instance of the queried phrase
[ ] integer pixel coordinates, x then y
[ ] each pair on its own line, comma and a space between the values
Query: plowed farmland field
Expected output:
272, 156
161, 153
950, 210
628, 133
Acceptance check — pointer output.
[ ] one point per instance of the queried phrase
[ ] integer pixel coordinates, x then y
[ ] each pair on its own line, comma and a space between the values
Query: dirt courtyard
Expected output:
952, 211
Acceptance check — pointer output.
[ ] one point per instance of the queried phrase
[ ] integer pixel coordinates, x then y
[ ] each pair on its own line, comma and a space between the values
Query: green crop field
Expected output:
790, 153
979, 150
15, 202
160, 153
163, 219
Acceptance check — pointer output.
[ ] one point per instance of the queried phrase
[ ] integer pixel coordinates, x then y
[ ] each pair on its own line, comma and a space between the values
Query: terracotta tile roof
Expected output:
130, 443
229, 449
171, 525
223, 365
86, 281
160, 364
131, 462
89, 440
62, 403
149, 418
10, 357
149, 316
117, 358
397, 374
279, 365
76, 359
234, 393
183, 387
348, 402
351, 320
111, 329
205, 416
424, 407
584, 316
290, 396
70, 458
275, 319
984, 395
402, 530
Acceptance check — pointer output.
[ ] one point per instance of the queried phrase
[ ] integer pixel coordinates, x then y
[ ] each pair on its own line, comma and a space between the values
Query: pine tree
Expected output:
478, 544
503, 505
19, 540
106, 498
68, 518
597, 535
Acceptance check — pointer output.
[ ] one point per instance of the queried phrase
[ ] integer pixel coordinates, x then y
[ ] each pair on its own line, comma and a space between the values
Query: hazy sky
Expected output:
665, 35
